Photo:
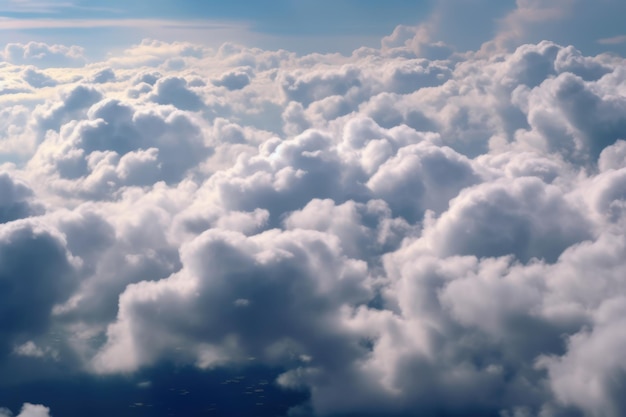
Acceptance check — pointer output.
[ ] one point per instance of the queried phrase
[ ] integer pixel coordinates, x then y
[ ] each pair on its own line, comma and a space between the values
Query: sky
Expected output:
306, 26
313, 209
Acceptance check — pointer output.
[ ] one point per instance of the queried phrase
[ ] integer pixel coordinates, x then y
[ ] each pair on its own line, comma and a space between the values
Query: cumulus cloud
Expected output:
118, 144
32, 288
43, 55
103, 76
405, 230
17, 200
173, 90
276, 273
235, 80
37, 79
28, 410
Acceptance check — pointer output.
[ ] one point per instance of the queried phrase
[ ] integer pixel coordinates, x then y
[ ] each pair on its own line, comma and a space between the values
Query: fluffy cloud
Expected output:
31, 288
118, 144
403, 230
173, 90
28, 410
235, 80
16, 201
261, 283
43, 55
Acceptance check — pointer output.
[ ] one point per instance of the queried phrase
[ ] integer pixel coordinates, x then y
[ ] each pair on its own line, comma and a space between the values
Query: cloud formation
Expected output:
28, 410
401, 231
42, 54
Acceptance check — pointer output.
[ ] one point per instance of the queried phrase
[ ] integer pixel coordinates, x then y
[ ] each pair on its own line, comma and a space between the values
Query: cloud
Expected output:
222, 268
37, 79
32, 288
104, 76
17, 200
52, 115
28, 410
43, 55
438, 174
117, 144
613, 40
395, 232
534, 20
173, 90
501, 218
235, 80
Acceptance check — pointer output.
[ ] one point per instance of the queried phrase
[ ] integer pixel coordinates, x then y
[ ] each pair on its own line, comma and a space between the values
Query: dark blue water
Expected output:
163, 391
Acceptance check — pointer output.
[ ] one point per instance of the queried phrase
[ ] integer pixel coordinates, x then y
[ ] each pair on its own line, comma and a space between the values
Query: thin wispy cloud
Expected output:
615, 40
7, 23
55, 8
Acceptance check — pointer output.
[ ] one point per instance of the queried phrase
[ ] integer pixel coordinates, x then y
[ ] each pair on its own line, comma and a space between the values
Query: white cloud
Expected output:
276, 272
389, 228
613, 40
235, 80
43, 55
173, 90
28, 410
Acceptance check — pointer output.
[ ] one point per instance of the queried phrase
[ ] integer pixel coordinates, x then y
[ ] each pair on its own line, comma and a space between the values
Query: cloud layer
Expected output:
402, 231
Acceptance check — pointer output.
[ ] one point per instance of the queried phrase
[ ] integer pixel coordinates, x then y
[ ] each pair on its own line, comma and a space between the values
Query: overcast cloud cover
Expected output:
432, 226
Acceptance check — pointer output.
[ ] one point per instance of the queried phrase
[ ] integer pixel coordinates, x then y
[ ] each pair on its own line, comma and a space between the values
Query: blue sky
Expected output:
307, 26
280, 16
361, 22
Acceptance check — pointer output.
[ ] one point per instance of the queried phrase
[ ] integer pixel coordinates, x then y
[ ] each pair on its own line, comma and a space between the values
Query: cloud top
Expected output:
403, 230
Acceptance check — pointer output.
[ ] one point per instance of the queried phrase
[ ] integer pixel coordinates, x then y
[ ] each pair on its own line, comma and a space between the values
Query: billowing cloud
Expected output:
43, 55
32, 288
173, 90
404, 230
235, 80
16, 201
28, 410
